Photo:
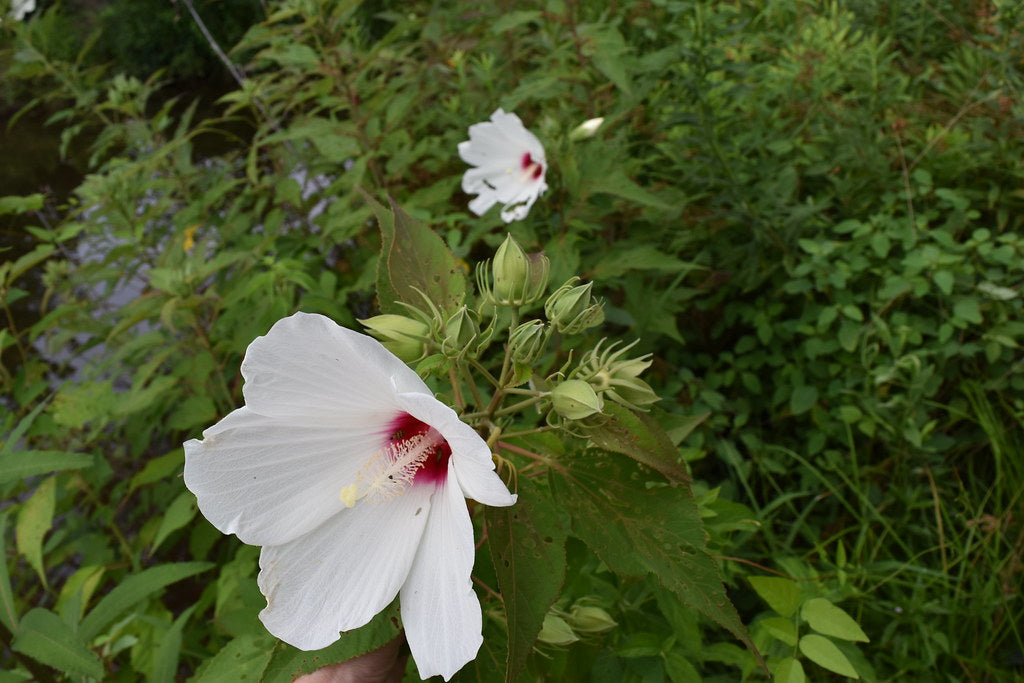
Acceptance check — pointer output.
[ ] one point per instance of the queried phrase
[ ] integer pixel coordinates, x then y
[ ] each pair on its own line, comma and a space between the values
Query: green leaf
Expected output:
288, 663
8, 611
34, 519
194, 410
527, 543
636, 531
638, 436
179, 513
413, 258
21, 464
243, 659
618, 184
830, 620
789, 670
18, 204
510, 20
158, 468
944, 280
967, 309
643, 257
165, 660
781, 629
825, 654
43, 636
782, 595
135, 589
802, 399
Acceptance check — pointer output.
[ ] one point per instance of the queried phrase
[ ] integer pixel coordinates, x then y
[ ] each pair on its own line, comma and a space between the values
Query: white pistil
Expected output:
392, 470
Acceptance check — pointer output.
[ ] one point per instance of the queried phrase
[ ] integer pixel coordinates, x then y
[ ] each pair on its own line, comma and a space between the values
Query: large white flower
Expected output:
353, 478
510, 166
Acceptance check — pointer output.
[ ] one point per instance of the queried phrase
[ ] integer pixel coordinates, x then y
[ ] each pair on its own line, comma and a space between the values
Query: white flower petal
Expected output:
338, 576
474, 466
307, 366
440, 611
271, 480
510, 165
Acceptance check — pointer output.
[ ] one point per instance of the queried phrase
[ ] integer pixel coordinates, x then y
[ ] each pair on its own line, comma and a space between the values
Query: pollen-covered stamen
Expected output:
392, 470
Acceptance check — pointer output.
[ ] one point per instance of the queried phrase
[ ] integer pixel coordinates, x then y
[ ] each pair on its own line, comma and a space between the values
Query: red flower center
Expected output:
434, 468
532, 168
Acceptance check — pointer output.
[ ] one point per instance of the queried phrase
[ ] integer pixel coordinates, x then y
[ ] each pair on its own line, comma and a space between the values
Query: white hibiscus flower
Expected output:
353, 478
510, 166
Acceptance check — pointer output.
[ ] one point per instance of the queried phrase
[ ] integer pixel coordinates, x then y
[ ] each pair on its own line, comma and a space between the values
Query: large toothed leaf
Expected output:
640, 437
528, 549
413, 258
637, 530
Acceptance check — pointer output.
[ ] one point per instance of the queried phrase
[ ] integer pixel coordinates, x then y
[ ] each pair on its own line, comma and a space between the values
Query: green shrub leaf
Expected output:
830, 620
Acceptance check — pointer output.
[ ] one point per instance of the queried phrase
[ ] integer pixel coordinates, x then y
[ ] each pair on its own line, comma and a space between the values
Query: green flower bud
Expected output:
402, 336
574, 399
519, 278
511, 270
619, 380
588, 619
571, 308
460, 334
527, 342
556, 632
586, 129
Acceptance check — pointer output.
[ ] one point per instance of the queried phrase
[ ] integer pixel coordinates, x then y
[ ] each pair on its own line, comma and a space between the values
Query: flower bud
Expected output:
527, 342
589, 619
460, 333
519, 278
586, 129
400, 335
571, 308
556, 632
619, 380
511, 271
574, 399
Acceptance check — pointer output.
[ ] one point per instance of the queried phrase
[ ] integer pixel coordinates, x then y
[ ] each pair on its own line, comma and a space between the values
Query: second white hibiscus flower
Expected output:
510, 166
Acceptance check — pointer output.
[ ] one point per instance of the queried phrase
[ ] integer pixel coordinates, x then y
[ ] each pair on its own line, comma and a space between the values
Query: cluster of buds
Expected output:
615, 378
462, 335
519, 279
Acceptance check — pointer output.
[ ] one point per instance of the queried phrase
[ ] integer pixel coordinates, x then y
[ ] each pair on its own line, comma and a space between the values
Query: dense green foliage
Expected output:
809, 213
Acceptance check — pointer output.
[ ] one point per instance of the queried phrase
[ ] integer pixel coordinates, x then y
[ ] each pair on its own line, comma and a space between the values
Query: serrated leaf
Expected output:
781, 594
413, 258
789, 670
527, 542
643, 257
825, 654
243, 659
35, 519
43, 636
179, 513
830, 620
636, 531
132, 590
193, 411
640, 437
288, 663
21, 464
